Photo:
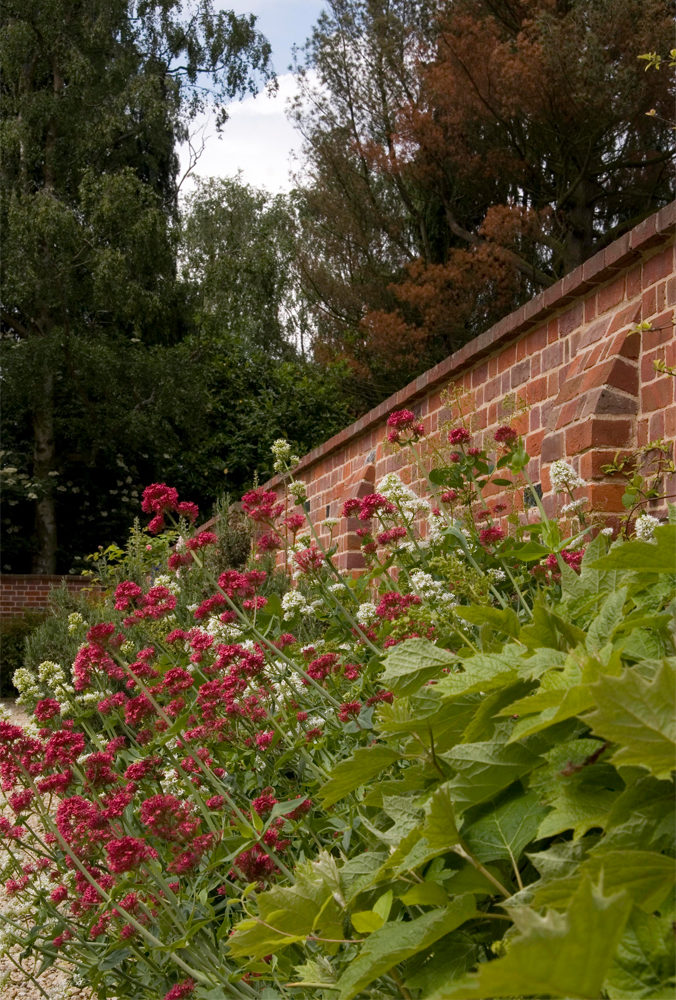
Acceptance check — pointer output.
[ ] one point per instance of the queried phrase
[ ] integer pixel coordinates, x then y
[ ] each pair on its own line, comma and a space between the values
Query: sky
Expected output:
257, 139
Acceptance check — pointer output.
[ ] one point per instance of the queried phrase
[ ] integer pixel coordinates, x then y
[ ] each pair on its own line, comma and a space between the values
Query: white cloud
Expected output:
257, 140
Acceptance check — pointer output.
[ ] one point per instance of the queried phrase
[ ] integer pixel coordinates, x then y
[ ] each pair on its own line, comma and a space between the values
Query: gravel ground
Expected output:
53, 982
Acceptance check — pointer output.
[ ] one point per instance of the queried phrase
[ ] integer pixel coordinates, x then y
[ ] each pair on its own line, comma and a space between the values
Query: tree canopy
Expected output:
461, 156
93, 99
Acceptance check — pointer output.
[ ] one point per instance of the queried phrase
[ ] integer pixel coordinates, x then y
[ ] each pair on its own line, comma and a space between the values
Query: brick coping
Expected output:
652, 232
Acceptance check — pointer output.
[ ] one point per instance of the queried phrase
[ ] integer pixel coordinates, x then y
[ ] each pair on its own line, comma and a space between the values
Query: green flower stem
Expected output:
467, 856
26, 974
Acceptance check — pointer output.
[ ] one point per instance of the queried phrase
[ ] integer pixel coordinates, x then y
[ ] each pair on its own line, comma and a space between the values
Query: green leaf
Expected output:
609, 618
484, 769
366, 921
395, 942
645, 961
529, 552
114, 958
364, 764
501, 619
558, 955
647, 557
578, 784
425, 894
504, 832
289, 915
638, 715
647, 877
412, 663
642, 816
482, 672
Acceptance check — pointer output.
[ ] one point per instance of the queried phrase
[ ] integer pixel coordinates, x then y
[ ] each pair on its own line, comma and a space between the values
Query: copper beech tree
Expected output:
464, 155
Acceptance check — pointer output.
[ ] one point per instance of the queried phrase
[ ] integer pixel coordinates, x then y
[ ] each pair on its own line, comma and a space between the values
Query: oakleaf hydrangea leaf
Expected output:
556, 955
638, 714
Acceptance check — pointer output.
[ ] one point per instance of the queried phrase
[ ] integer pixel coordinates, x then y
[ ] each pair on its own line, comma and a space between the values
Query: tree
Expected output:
517, 144
237, 252
94, 96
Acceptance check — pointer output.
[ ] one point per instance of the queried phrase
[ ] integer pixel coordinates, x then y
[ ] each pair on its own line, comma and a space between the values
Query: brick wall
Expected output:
562, 369
23, 592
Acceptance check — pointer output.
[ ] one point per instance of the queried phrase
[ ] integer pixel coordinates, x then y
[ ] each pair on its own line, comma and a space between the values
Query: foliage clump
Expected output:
448, 777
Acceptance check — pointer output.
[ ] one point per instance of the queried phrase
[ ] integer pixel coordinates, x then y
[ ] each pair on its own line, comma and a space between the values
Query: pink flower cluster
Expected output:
160, 499
400, 421
262, 505
366, 507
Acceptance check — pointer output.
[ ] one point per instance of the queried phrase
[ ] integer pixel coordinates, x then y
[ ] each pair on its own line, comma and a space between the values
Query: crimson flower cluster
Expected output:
404, 422
160, 499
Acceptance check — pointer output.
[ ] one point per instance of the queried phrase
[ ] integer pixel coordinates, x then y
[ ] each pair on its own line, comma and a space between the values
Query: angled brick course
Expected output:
581, 388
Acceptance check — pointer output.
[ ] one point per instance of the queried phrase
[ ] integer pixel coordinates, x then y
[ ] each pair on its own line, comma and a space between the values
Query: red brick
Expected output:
598, 433
606, 497
657, 395
611, 295
590, 308
658, 266
656, 426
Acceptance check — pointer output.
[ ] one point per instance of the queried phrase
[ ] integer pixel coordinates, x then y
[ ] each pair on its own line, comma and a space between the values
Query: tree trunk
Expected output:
579, 239
44, 560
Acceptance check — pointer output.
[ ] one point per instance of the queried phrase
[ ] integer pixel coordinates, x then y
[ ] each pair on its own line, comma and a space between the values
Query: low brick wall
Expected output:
24, 592
562, 369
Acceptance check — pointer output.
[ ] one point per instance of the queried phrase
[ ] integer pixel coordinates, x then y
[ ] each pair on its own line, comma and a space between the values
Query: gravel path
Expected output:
53, 982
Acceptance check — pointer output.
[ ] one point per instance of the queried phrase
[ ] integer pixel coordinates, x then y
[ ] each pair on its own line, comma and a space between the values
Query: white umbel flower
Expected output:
564, 477
644, 527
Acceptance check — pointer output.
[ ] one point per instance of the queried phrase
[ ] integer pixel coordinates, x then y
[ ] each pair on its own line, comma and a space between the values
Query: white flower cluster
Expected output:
170, 582
298, 491
398, 493
366, 615
330, 522
294, 603
644, 527
76, 623
496, 575
26, 683
574, 507
284, 460
608, 532
429, 589
564, 477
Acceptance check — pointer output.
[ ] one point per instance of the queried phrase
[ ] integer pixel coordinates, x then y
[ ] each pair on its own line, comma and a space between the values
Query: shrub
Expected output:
13, 635
450, 777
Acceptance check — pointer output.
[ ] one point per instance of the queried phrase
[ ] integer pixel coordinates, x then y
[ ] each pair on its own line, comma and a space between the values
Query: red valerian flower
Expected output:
268, 542
488, 536
181, 990
403, 420
309, 560
158, 497
294, 522
393, 604
127, 853
200, 540
125, 593
449, 496
264, 803
459, 435
262, 505
505, 435
348, 710
46, 709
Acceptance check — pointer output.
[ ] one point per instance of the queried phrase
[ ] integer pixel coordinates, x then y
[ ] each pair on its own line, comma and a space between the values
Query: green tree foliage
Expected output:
463, 155
94, 97
237, 255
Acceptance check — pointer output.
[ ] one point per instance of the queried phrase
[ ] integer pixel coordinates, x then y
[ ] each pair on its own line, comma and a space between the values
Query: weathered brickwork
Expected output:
23, 592
563, 369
